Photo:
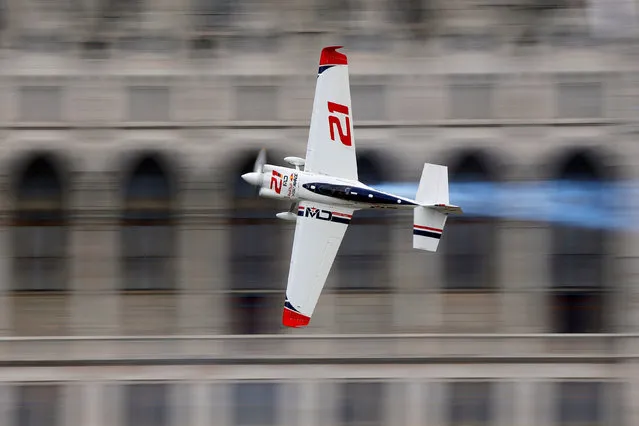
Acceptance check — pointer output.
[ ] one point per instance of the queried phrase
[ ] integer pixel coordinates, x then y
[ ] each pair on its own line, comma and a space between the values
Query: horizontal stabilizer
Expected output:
428, 227
446, 208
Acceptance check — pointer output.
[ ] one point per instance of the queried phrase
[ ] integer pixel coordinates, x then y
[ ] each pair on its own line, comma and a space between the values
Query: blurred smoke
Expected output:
610, 206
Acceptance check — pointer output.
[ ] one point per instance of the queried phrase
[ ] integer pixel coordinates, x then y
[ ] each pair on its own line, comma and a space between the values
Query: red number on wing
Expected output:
344, 136
333, 107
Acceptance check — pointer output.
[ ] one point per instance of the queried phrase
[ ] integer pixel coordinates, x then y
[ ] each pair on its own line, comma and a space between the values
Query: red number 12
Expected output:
344, 136
276, 183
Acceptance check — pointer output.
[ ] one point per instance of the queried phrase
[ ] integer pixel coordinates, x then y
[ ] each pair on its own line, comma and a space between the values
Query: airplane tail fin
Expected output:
430, 217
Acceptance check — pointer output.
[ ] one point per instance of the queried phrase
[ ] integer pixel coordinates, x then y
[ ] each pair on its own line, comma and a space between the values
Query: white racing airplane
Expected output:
326, 193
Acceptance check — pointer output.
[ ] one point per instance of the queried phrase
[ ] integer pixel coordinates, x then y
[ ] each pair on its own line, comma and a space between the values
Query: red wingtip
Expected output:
330, 56
294, 319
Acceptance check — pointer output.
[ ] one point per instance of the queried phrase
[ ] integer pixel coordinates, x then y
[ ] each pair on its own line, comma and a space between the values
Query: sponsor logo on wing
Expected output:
325, 215
427, 231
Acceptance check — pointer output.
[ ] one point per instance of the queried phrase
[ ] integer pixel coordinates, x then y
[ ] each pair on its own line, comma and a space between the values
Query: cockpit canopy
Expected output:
337, 191
349, 193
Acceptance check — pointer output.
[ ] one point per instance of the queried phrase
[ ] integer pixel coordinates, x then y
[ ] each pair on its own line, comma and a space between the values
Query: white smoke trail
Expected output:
584, 204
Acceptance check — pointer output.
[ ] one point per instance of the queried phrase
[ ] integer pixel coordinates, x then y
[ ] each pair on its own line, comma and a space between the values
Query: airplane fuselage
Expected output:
295, 185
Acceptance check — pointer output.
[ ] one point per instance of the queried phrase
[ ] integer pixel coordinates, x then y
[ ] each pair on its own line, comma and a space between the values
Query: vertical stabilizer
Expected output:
433, 185
429, 219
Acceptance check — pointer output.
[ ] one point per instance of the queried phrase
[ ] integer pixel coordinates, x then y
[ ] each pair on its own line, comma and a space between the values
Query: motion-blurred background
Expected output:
142, 282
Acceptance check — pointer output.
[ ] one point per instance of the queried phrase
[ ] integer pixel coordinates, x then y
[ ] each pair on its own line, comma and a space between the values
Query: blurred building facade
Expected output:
142, 280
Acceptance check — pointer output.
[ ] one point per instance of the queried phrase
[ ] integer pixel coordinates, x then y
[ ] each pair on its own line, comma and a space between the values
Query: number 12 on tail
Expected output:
334, 121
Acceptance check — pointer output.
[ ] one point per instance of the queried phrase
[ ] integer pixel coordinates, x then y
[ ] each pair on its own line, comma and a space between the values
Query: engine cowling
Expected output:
269, 193
279, 183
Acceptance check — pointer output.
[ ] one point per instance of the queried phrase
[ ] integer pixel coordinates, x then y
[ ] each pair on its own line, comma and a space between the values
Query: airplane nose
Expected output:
253, 178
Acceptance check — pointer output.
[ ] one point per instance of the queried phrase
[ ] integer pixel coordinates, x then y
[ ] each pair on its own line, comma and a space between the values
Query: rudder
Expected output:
433, 185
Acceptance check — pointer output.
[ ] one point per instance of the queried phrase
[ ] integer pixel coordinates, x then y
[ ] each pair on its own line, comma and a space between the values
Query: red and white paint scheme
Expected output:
326, 193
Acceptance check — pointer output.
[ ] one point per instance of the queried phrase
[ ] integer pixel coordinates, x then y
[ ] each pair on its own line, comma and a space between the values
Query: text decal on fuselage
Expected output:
278, 181
291, 182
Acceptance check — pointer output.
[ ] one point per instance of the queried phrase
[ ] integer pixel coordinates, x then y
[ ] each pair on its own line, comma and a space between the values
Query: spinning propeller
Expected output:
256, 176
260, 161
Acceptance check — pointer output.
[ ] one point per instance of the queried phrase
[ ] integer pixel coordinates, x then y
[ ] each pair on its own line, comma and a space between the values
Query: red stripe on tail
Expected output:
428, 228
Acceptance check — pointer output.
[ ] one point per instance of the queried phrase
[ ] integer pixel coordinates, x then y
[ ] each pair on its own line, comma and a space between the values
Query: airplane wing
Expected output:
319, 231
331, 144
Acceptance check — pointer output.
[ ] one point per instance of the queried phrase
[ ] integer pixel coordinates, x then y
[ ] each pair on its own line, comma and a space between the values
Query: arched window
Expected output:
578, 255
258, 257
40, 234
468, 244
361, 262
148, 234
